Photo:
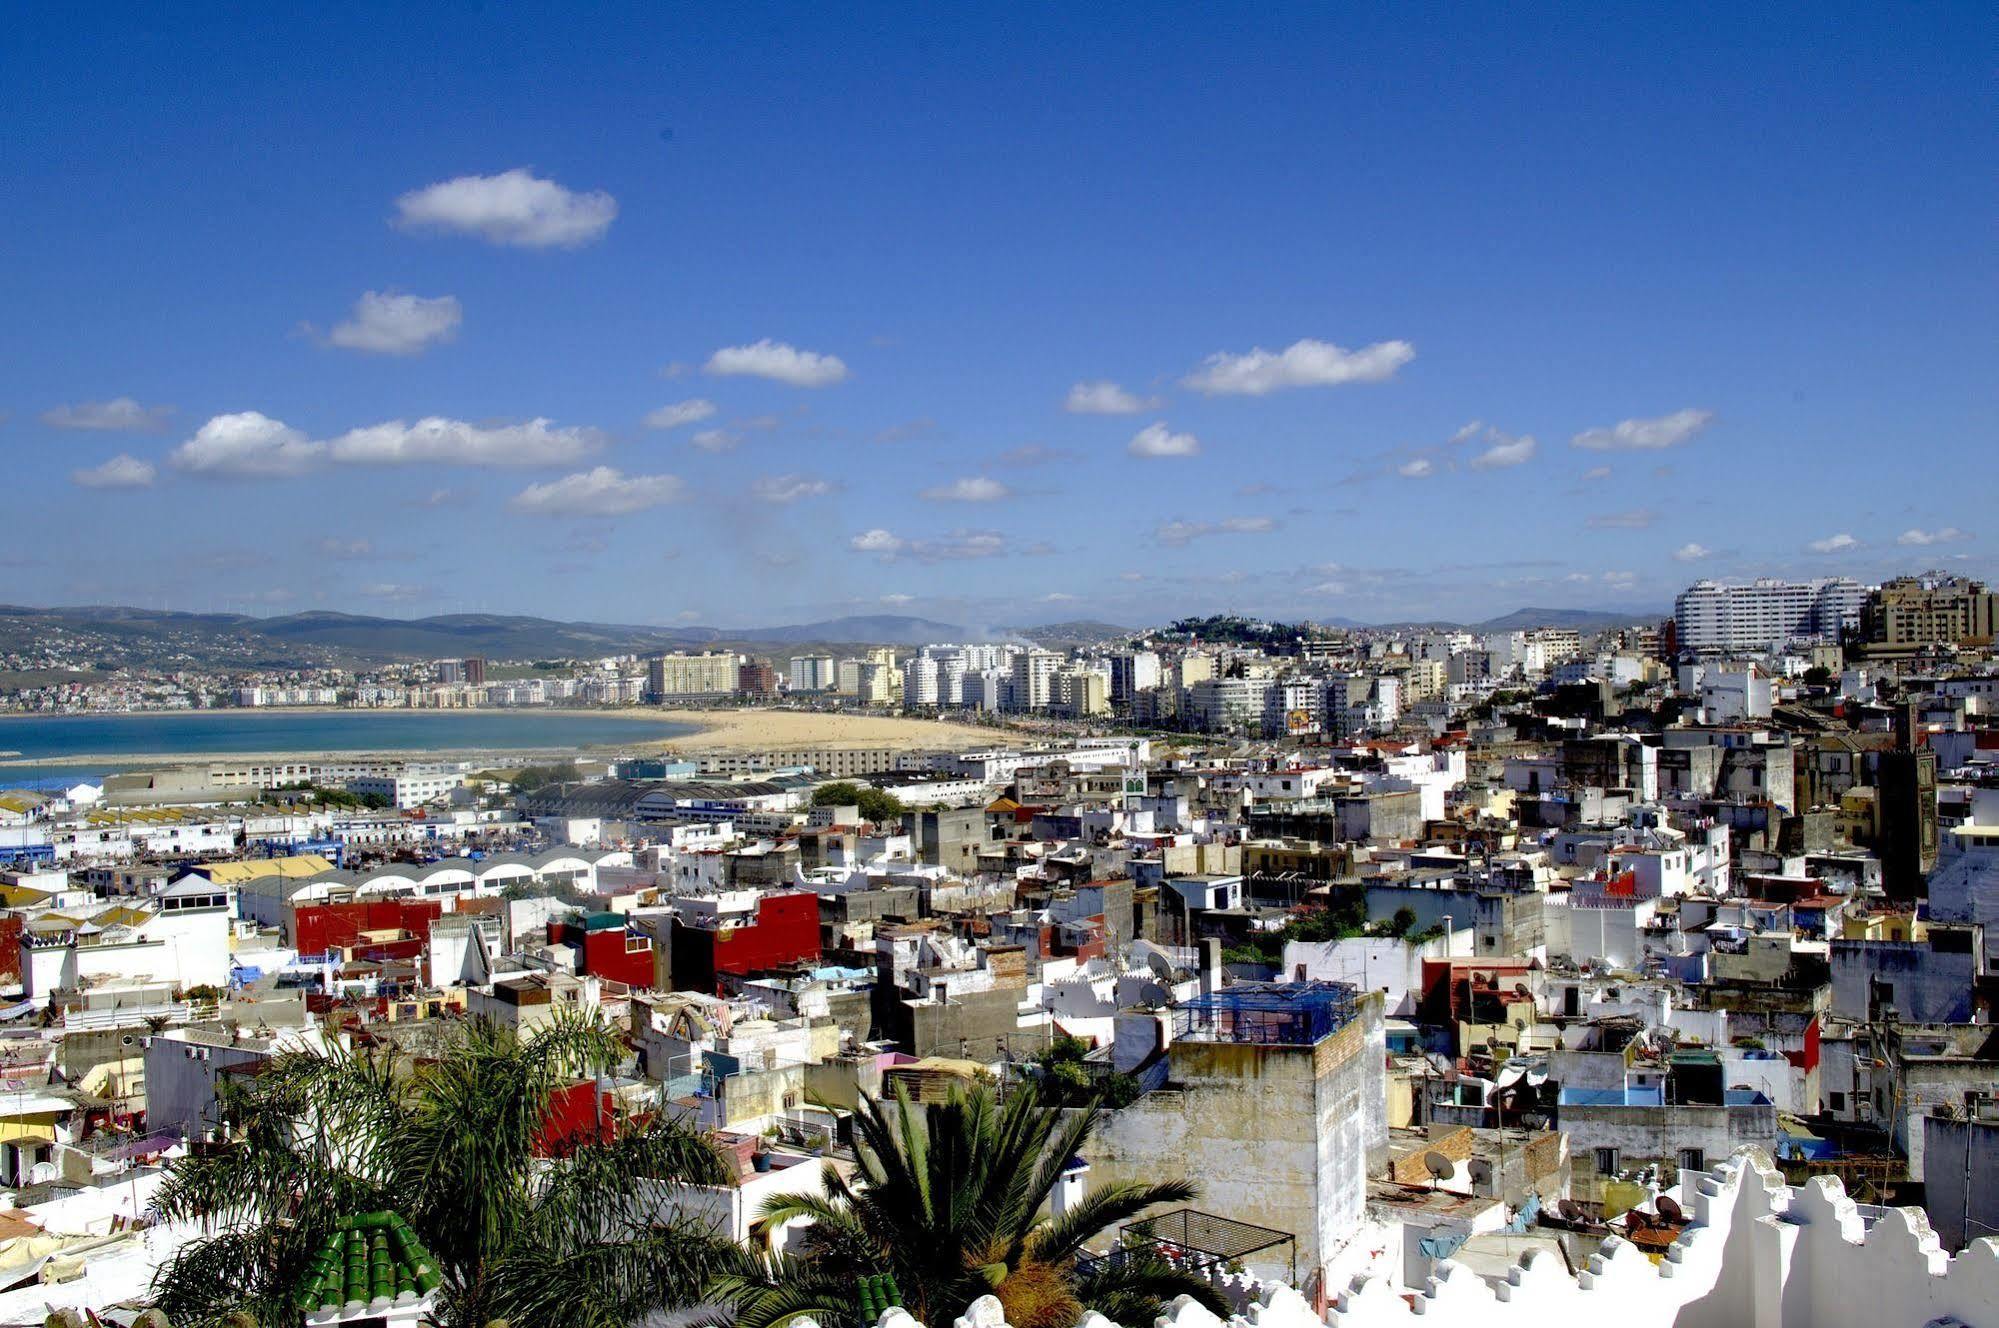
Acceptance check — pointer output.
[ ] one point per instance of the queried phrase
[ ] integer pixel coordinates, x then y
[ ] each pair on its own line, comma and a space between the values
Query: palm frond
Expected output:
1101, 1210
1137, 1286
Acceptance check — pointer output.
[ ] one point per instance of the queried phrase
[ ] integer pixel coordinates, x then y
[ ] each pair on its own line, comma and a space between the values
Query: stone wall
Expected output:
1759, 1254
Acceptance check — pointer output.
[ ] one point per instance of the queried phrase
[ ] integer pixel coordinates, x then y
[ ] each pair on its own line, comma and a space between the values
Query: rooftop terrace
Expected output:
1293, 1014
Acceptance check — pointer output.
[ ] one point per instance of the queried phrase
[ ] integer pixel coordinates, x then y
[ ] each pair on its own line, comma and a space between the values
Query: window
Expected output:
1606, 1161
1836, 1102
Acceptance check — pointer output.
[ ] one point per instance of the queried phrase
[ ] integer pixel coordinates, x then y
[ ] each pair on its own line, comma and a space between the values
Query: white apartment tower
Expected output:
1763, 614
1132, 672
1034, 679
922, 681
813, 673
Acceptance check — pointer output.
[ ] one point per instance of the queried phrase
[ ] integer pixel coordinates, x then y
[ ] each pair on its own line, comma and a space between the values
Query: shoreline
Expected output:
280, 712
705, 731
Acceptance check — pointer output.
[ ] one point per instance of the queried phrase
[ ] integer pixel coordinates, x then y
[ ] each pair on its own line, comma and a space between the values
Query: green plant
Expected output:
1066, 1079
874, 804
948, 1199
460, 1145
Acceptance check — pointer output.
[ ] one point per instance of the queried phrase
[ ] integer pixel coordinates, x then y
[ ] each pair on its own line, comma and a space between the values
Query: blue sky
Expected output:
1405, 313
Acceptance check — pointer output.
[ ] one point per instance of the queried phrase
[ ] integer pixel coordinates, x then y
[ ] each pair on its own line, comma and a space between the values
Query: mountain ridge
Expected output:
315, 636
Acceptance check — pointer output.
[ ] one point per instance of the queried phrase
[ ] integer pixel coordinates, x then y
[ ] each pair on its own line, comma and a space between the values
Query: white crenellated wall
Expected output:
1758, 1255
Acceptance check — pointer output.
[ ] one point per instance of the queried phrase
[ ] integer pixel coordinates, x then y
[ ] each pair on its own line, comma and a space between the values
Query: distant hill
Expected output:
121, 634
117, 635
1581, 620
1075, 632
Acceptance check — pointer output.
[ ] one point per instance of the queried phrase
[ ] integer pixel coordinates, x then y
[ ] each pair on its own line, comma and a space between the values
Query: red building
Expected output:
606, 948
784, 931
318, 928
577, 1114
10, 947
757, 678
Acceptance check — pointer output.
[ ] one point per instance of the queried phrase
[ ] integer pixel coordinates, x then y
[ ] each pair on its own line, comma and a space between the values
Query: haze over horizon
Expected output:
753, 317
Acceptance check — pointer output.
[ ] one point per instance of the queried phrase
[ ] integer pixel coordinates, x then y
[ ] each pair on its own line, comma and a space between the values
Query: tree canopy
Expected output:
875, 804
526, 1224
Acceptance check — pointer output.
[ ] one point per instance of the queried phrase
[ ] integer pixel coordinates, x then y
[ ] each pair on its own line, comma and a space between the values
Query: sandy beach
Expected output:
715, 731
789, 730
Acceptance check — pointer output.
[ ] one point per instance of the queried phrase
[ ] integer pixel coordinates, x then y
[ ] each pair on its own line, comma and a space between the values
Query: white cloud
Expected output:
959, 545
1104, 398
789, 488
247, 445
346, 548
1419, 469
120, 472
390, 324
536, 442
1637, 519
1328, 588
1177, 533
1156, 440
1691, 552
1646, 435
898, 599
513, 208
970, 489
716, 440
1504, 451
778, 362
394, 590
691, 411
1306, 363
1595, 473
1924, 538
1058, 597
1467, 432
1620, 578
118, 415
1840, 543
602, 491
877, 541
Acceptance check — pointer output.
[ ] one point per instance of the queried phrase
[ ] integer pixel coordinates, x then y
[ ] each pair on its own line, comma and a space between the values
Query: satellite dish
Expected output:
1636, 1220
1669, 1208
1570, 1209
1440, 1167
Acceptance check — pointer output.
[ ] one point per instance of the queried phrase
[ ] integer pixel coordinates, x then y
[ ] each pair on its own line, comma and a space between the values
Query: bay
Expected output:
109, 743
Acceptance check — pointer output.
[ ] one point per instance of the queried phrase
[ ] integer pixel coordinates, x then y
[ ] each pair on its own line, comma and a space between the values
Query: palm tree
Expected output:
460, 1146
948, 1200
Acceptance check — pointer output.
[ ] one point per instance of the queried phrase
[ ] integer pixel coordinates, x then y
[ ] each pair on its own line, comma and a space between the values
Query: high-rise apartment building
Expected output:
813, 673
1034, 679
1132, 672
691, 677
1934, 610
1762, 614
922, 682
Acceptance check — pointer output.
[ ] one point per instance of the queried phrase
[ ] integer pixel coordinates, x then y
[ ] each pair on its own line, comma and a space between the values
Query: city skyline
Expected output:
750, 318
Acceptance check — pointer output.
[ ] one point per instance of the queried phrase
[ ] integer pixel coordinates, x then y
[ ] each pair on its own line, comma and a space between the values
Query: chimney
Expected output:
1211, 966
